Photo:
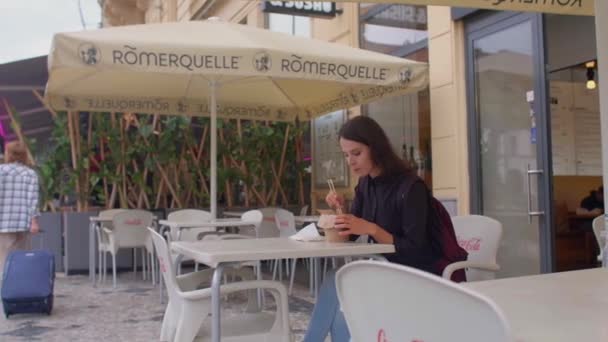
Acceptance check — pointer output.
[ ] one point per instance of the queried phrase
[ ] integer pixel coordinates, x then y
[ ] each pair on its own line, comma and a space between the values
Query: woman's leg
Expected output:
326, 316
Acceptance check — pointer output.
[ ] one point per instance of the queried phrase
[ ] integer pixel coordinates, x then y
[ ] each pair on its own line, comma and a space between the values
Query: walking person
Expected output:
19, 194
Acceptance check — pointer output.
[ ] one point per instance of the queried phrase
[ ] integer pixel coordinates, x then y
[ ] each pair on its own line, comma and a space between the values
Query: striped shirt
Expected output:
18, 197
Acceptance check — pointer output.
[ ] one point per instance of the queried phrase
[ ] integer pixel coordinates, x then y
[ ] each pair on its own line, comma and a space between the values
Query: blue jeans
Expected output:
327, 316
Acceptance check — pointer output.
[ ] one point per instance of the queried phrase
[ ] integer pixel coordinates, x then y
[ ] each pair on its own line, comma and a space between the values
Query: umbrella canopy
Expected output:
217, 68
169, 68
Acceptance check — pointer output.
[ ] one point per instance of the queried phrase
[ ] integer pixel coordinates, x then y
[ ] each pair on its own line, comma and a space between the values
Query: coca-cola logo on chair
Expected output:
133, 222
161, 264
382, 337
472, 244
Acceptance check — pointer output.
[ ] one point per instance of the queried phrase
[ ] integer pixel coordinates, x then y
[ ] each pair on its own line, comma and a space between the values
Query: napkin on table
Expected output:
308, 233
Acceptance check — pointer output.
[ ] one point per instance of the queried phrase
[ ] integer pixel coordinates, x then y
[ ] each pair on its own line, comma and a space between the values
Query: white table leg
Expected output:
215, 303
260, 293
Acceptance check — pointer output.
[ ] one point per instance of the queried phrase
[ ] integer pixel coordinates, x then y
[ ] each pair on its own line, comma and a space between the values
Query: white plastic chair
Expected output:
189, 215
268, 228
189, 234
598, 228
383, 301
480, 237
129, 231
304, 210
286, 223
103, 243
187, 313
255, 216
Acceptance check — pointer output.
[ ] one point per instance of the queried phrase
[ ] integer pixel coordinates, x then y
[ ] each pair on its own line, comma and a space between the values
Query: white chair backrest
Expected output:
164, 262
480, 237
189, 215
130, 228
286, 222
304, 210
420, 307
106, 214
255, 216
110, 213
268, 228
598, 228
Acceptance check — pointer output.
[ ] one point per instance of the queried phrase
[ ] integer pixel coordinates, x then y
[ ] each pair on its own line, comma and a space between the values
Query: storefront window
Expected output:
290, 24
401, 30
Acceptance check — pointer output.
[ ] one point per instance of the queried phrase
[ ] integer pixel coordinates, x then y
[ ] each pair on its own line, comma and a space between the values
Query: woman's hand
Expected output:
353, 225
334, 200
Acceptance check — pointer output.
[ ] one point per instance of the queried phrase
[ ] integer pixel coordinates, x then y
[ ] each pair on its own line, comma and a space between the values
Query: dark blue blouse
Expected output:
400, 205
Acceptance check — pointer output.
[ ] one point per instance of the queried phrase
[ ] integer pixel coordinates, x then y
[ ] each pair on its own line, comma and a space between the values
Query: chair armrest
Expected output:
98, 233
110, 234
453, 267
237, 287
191, 281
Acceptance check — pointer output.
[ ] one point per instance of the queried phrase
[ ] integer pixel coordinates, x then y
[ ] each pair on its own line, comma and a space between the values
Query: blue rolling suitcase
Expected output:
27, 283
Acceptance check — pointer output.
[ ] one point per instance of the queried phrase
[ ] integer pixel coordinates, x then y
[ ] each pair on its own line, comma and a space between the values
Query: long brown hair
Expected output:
367, 131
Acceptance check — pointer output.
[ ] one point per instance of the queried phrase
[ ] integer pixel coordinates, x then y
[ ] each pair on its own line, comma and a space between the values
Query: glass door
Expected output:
509, 141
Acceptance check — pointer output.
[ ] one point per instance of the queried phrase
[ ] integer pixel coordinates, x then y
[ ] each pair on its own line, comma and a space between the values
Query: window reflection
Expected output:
395, 30
290, 24
388, 28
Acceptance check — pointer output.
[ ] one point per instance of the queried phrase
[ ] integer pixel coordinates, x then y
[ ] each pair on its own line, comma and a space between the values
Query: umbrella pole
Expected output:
213, 132
601, 33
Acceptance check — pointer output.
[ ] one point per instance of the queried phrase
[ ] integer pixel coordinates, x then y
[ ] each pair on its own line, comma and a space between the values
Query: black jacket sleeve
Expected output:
412, 243
356, 207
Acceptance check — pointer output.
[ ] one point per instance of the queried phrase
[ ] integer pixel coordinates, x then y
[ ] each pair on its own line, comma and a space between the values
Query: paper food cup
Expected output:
332, 235
326, 223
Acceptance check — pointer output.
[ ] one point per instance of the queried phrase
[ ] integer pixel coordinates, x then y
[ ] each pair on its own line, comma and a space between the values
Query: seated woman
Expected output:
381, 209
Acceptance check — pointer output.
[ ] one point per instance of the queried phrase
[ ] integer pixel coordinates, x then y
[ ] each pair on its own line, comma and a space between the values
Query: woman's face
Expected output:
359, 158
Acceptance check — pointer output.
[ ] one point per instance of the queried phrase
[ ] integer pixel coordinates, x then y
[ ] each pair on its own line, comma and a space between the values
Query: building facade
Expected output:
508, 128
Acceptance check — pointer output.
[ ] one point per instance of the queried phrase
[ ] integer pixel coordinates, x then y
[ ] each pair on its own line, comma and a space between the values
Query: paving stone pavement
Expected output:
131, 312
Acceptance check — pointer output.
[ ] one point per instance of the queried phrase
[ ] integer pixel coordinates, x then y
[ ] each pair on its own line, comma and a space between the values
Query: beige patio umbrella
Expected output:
218, 69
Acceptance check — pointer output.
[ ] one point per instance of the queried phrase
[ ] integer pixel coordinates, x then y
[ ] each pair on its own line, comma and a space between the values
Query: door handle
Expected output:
529, 174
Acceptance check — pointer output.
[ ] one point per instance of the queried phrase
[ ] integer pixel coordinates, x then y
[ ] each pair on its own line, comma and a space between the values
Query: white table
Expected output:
217, 223
557, 307
217, 254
